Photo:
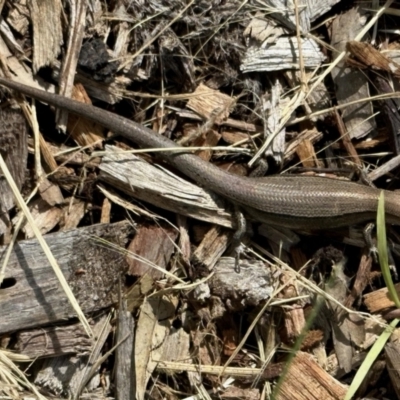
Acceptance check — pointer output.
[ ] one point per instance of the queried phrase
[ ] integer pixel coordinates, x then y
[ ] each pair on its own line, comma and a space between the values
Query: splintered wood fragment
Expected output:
392, 356
294, 323
153, 245
272, 107
124, 357
46, 217
31, 295
211, 104
317, 100
53, 341
283, 54
50, 192
263, 30
310, 135
211, 248
379, 300
305, 379
84, 132
161, 188
361, 280
306, 152
210, 139
351, 84
47, 37
373, 58
73, 212
72, 156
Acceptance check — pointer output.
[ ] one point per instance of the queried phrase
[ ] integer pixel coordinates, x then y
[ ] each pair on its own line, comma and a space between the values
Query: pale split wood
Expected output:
47, 31
273, 106
76, 26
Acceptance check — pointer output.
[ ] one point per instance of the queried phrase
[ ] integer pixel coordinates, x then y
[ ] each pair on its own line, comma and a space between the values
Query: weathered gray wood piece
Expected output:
52, 341
162, 188
283, 54
253, 285
34, 297
351, 84
309, 11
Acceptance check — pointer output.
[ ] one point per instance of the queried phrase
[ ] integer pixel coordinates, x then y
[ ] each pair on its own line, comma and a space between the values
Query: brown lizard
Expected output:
284, 200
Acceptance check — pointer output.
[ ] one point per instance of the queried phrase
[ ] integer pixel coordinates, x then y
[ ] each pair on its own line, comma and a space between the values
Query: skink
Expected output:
290, 201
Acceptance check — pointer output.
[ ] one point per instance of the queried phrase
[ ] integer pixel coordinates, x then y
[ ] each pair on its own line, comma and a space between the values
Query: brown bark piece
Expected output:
211, 104
371, 57
154, 244
210, 139
306, 380
31, 295
361, 280
379, 300
14, 150
392, 355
